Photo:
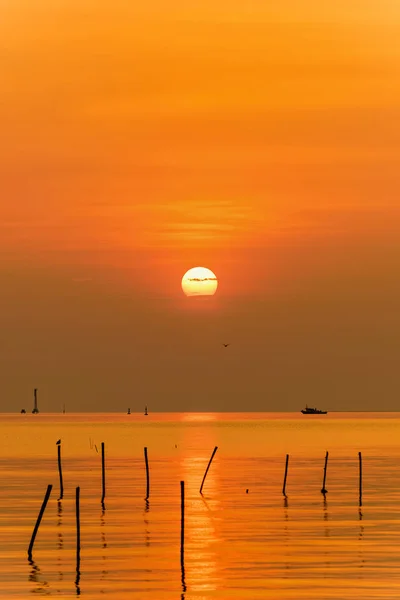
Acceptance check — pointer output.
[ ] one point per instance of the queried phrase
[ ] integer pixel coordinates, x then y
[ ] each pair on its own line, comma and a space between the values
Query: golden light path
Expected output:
204, 572
199, 281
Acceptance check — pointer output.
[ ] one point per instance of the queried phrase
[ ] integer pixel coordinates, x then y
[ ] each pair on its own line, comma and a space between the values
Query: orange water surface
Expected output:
238, 544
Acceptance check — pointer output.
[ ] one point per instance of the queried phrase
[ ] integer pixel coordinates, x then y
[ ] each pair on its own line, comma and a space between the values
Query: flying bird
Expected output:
58, 443
226, 345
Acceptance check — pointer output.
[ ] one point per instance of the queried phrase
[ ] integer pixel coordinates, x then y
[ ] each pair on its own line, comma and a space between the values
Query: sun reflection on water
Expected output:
201, 566
198, 417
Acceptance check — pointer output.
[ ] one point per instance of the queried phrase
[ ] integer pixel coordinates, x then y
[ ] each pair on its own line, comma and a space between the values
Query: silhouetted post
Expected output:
103, 474
78, 527
324, 490
35, 405
78, 536
360, 483
284, 479
44, 504
60, 472
147, 475
205, 474
183, 535
182, 516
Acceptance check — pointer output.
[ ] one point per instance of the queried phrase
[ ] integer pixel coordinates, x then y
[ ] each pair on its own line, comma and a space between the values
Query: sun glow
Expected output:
199, 281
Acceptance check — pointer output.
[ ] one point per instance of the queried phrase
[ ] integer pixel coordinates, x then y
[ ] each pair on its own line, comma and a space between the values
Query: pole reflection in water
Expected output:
60, 538
327, 534
286, 505
286, 537
146, 523
326, 517
59, 523
361, 549
41, 587
361, 534
104, 545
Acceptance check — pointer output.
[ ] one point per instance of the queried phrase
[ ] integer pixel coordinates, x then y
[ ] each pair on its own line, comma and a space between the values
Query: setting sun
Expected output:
199, 281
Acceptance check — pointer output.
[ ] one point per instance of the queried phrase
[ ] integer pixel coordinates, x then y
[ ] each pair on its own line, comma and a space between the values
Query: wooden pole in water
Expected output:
182, 516
78, 542
360, 482
60, 472
208, 466
78, 529
103, 474
183, 535
324, 490
284, 479
44, 504
147, 474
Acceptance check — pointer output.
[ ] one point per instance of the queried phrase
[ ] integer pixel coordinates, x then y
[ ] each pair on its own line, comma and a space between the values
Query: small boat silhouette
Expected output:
313, 411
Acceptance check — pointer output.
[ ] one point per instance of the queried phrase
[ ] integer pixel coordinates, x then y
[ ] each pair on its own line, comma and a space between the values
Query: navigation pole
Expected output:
35, 407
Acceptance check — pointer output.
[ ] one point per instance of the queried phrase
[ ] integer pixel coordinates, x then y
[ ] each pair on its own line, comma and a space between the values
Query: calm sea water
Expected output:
238, 545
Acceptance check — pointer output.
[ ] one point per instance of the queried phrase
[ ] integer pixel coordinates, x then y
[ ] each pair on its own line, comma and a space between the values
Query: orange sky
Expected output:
260, 141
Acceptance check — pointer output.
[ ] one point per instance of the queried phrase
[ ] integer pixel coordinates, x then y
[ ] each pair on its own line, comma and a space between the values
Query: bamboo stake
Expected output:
360, 480
147, 475
103, 474
78, 528
324, 490
43, 507
183, 535
286, 472
208, 466
60, 472
78, 540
